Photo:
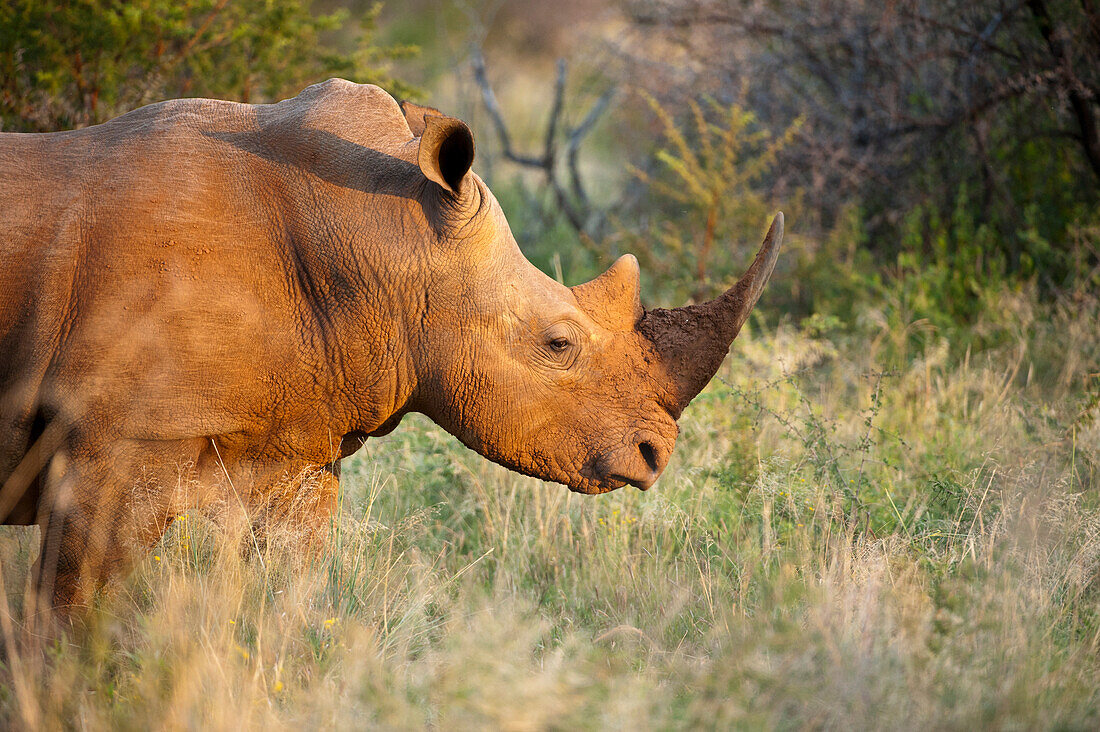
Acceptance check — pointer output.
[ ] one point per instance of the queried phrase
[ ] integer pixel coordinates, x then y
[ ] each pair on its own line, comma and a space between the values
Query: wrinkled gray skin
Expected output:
204, 302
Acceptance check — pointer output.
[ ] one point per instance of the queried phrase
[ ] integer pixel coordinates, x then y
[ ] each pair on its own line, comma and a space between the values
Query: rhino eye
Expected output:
558, 346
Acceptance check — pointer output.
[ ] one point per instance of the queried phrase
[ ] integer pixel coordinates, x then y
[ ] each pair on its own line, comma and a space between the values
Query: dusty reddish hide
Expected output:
205, 302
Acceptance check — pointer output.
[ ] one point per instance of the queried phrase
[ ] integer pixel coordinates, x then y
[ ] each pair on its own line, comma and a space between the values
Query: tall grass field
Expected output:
890, 530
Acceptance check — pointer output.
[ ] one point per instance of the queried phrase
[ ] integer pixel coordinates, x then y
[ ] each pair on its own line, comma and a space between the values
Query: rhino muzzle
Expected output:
639, 461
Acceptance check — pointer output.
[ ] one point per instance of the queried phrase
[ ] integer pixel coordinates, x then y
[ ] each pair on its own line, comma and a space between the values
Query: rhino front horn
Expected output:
693, 340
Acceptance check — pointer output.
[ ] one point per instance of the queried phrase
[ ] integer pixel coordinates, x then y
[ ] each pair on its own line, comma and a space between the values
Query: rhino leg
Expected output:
297, 511
96, 518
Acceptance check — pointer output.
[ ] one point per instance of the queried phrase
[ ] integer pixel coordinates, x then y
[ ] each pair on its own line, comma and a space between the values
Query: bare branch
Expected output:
1082, 109
555, 113
493, 108
576, 209
980, 39
577, 136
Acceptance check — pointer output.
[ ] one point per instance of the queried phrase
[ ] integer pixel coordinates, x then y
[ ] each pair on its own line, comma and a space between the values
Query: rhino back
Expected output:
149, 258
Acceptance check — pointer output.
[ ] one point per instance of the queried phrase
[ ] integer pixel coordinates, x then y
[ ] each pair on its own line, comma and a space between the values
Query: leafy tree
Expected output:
71, 63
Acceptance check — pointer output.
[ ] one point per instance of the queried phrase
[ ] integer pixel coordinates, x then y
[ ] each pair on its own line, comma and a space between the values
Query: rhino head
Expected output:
579, 385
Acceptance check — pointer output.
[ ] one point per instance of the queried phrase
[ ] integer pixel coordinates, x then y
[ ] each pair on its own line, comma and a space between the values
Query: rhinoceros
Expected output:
202, 299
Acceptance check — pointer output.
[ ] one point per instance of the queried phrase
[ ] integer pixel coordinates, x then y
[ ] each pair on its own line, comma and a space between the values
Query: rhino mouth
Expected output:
596, 481
592, 487
620, 481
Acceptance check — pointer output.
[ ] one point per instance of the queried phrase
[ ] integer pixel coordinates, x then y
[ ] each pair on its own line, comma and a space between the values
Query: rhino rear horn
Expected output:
614, 298
446, 151
692, 341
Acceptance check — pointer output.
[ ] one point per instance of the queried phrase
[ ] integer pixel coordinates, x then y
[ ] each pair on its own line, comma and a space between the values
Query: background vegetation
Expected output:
882, 513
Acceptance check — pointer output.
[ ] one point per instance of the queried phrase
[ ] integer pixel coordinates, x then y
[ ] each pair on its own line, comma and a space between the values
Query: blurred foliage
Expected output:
705, 182
710, 198
71, 63
713, 185
948, 282
1006, 211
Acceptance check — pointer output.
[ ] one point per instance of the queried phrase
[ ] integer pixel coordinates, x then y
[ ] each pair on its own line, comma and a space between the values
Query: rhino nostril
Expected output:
649, 455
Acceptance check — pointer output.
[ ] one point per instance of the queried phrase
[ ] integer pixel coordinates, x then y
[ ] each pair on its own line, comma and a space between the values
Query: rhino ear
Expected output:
415, 114
446, 151
614, 298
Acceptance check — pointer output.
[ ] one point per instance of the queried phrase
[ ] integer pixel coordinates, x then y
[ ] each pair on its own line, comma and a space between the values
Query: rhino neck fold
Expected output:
352, 317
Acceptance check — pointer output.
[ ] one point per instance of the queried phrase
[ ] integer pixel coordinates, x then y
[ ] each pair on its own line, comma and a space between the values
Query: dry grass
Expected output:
846, 538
